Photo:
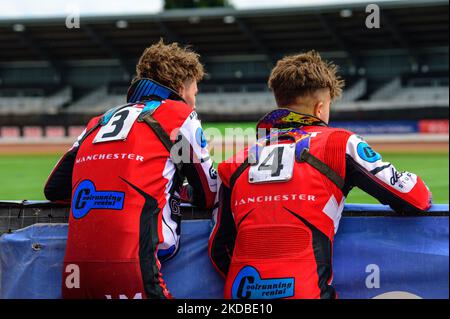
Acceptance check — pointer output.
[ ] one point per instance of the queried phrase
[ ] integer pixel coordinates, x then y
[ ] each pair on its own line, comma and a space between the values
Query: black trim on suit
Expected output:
323, 250
222, 244
148, 242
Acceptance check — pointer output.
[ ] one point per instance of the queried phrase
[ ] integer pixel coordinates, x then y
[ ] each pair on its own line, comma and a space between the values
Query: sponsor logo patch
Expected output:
367, 153
248, 284
87, 198
200, 137
212, 172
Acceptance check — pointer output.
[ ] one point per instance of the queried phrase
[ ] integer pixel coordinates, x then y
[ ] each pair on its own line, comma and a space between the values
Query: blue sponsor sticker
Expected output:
87, 198
248, 284
367, 153
200, 137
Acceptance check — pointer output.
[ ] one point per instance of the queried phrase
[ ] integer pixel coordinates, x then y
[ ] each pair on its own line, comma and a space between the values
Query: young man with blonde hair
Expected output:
278, 211
124, 181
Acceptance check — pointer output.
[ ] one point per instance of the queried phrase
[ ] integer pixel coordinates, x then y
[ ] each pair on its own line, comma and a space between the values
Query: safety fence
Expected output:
377, 253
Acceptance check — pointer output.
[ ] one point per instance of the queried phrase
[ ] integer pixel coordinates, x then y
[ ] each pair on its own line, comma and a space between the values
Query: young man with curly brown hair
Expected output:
124, 181
279, 210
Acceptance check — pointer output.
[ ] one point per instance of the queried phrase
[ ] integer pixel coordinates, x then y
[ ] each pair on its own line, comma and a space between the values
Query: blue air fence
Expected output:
377, 253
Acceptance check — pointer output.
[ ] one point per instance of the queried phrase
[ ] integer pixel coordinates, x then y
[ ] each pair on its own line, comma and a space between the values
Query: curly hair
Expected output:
169, 64
302, 74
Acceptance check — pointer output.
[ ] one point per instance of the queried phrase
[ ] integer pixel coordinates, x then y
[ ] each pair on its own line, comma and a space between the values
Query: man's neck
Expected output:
301, 108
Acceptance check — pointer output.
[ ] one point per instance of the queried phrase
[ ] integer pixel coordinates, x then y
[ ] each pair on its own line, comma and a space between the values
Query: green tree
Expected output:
185, 4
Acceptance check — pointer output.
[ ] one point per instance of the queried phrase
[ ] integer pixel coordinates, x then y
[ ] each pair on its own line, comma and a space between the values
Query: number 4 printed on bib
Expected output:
119, 126
276, 164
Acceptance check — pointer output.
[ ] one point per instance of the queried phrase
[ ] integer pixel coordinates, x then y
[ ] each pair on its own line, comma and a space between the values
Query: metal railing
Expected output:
19, 214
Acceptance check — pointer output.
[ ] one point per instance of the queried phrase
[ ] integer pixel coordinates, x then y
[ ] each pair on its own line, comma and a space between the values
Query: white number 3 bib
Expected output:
118, 126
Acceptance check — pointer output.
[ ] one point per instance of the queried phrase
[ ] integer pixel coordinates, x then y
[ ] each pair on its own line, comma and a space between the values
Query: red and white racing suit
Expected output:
124, 188
274, 224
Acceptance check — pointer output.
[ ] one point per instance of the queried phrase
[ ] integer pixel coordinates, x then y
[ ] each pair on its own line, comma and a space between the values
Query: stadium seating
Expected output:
255, 102
422, 94
414, 90
392, 95
96, 102
22, 103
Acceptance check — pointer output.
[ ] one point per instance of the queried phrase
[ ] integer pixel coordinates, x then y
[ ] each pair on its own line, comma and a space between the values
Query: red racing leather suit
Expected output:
124, 189
273, 233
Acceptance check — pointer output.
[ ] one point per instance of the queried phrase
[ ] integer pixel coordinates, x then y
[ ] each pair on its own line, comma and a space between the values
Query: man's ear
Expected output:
182, 90
318, 109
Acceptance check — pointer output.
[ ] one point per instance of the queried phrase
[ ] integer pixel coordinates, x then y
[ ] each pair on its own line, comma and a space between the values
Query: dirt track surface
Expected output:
435, 147
34, 148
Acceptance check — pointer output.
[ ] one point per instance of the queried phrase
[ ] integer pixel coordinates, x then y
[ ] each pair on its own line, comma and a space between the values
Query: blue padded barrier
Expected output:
410, 254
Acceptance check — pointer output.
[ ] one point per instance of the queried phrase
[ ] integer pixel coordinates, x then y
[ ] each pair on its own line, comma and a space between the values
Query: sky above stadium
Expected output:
46, 8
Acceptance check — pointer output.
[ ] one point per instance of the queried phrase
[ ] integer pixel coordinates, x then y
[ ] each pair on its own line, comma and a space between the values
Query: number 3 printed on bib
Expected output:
119, 126
276, 164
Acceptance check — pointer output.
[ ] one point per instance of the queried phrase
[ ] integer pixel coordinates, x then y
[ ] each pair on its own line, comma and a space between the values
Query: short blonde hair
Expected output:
169, 64
302, 74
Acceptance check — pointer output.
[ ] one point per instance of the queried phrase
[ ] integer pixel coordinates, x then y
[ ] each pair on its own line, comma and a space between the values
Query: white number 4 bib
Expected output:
276, 164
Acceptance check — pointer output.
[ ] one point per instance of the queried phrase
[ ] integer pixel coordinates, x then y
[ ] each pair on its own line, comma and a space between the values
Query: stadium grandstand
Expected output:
51, 75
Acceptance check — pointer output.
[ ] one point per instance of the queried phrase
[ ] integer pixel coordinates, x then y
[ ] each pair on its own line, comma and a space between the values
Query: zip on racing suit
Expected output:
278, 211
124, 187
